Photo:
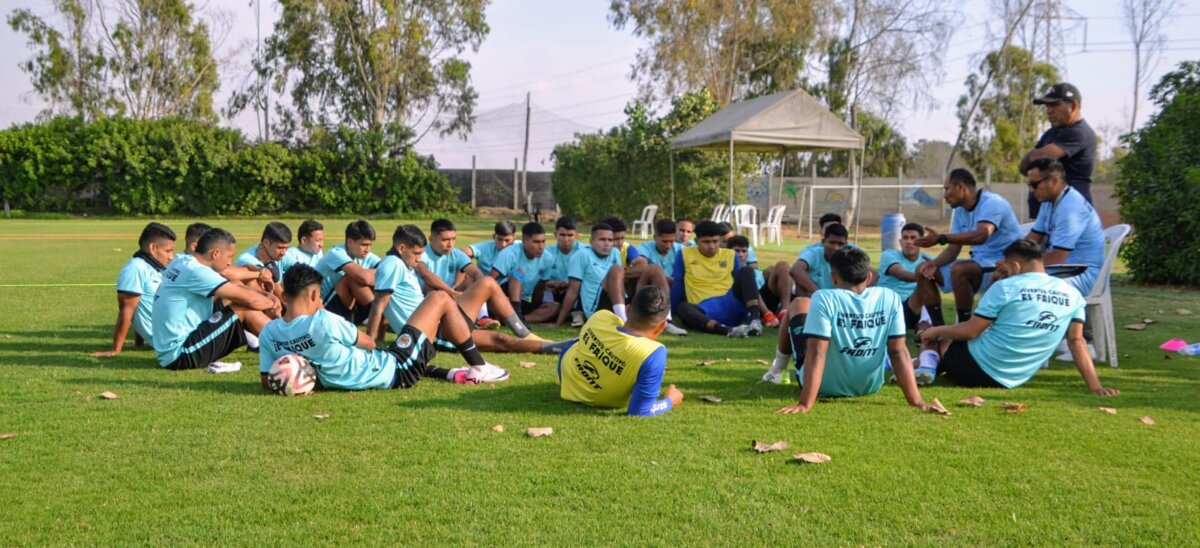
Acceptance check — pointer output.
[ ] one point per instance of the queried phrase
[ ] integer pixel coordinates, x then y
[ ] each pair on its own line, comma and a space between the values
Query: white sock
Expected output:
483, 311
251, 339
619, 310
781, 361
925, 316
929, 359
668, 315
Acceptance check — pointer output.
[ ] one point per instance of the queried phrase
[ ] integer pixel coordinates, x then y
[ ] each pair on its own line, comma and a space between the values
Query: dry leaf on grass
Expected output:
539, 432
1109, 410
321, 416
8, 337
1014, 407
937, 407
762, 362
1149, 321
108, 395
1183, 312
498, 428
7, 436
760, 447
1136, 327
710, 399
973, 401
527, 365
705, 362
1147, 420
813, 458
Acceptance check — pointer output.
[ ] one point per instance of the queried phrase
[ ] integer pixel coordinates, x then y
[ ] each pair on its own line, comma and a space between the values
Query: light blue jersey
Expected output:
858, 326
1072, 224
485, 255
1030, 314
514, 261
249, 257
295, 256
393, 276
989, 208
183, 301
445, 266
818, 267
590, 269
558, 261
893, 257
331, 265
752, 261
649, 250
327, 342
140, 278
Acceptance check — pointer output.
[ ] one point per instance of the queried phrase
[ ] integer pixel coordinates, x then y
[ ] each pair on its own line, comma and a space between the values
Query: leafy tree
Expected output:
376, 65
1007, 124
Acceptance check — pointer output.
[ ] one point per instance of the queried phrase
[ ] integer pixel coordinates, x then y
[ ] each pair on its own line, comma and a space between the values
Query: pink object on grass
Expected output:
1173, 345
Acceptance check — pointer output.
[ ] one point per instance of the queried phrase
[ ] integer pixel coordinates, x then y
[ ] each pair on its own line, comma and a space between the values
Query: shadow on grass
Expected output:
176, 380
539, 399
34, 355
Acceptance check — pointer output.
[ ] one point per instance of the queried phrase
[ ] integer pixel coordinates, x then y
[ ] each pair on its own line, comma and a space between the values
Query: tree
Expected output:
1144, 20
733, 48
1005, 128
138, 58
377, 65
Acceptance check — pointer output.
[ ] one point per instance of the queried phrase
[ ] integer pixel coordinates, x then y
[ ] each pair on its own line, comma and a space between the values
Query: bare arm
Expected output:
814, 369
375, 318
359, 274
126, 306
365, 341
898, 272
1083, 361
1055, 256
568, 303
250, 298
964, 331
432, 281
800, 275
902, 366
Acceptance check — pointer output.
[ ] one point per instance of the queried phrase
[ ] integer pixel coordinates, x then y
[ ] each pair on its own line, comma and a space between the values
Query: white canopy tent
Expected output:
788, 121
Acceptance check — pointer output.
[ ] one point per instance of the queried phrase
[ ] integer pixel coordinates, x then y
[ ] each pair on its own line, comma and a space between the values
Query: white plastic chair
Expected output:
718, 213
772, 229
645, 225
1104, 328
745, 217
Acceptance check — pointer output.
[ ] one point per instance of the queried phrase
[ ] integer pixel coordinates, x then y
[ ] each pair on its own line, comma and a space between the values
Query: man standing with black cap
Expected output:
1070, 140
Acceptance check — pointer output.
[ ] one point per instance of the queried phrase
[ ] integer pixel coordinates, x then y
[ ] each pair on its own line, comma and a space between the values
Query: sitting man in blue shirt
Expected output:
898, 272
443, 266
521, 271
136, 285
349, 271
269, 253
1015, 328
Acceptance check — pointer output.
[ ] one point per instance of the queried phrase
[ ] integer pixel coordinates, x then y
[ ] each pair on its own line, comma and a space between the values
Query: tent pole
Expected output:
730, 171
671, 156
858, 192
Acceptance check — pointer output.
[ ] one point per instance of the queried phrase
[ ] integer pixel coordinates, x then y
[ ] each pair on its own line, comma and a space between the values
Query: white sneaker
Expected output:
577, 318
756, 328
487, 373
1066, 355
739, 332
772, 376
224, 367
673, 329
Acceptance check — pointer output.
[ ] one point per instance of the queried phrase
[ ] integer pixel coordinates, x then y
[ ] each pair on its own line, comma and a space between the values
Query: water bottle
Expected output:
1190, 350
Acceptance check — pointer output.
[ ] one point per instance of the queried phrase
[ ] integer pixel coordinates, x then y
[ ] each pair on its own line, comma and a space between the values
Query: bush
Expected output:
1159, 185
174, 166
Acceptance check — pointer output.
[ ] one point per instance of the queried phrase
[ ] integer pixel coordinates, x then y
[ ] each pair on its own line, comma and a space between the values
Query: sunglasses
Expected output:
1034, 184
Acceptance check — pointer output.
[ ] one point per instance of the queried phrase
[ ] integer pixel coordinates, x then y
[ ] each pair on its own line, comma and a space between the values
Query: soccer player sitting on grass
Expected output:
444, 266
898, 272
774, 287
520, 271
311, 236
713, 291
850, 330
484, 253
558, 259
349, 272
269, 252
190, 238
684, 230
347, 359
1014, 330
662, 249
618, 364
189, 331
136, 284
398, 295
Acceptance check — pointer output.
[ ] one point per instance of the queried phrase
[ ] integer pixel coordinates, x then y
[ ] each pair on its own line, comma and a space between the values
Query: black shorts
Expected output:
527, 307
769, 299
911, 319
358, 316
413, 351
603, 302
218, 336
961, 368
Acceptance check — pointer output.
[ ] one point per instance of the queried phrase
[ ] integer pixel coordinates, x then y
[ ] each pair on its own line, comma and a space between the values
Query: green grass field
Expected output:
194, 458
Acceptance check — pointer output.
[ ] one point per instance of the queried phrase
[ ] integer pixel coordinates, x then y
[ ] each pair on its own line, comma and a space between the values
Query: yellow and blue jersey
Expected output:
327, 341
608, 366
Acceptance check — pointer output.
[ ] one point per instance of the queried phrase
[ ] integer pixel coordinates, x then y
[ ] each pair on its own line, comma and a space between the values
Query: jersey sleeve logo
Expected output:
404, 341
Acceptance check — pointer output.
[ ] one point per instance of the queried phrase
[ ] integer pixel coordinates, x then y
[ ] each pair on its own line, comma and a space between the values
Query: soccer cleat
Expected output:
486, 373
770, 319
224, 367
577, 318
925, 376
458, 375
739, 332
488, 324
755, 328
673, 329
774, 377
533, 337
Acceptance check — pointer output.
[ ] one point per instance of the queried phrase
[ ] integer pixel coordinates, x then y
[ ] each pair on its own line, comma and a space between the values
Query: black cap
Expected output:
1059, 92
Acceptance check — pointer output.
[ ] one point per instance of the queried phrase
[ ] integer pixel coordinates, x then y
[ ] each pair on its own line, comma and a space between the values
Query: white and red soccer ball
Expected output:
292, 375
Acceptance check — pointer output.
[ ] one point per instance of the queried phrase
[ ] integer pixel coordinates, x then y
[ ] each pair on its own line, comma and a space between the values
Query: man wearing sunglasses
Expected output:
1070, 140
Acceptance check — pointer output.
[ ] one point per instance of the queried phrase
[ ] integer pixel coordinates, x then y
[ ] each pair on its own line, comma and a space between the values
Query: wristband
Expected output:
942, 239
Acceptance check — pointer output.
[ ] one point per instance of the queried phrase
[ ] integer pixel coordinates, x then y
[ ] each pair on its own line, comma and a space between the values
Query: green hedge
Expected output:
174, 166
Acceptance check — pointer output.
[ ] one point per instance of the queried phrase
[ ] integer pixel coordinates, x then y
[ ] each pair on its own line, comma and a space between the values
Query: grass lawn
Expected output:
189, 457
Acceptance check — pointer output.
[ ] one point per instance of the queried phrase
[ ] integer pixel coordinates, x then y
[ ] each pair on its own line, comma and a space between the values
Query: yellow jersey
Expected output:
707, 277
602, 367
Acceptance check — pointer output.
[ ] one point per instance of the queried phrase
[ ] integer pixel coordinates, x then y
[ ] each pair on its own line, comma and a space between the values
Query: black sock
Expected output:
470, 353
935, 315
435, 372
798, 338
720, 329
555, 347
755, 313
516, 324
964, 315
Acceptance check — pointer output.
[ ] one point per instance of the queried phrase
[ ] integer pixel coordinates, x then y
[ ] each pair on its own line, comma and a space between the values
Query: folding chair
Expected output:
645, 225
745, 217
1104, 328
772, 229
718, 213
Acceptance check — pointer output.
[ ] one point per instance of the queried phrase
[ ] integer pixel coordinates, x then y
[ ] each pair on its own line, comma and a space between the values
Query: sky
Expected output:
576, 66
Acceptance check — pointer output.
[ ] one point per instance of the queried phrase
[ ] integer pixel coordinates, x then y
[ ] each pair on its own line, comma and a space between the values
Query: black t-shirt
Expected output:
1079, 142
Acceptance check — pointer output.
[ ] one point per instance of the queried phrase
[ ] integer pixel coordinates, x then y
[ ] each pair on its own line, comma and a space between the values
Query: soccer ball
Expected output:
292, 375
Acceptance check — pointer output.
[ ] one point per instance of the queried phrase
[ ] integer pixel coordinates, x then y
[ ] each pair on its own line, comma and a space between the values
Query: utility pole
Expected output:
525, 155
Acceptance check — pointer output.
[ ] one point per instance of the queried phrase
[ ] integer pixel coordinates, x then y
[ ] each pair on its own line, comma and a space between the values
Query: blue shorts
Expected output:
947, 287
725, 309
1085, 282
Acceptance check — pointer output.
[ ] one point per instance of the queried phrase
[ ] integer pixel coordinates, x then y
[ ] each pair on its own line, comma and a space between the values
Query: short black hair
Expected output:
1049, 167
308, 227
439, 226
851, 264
915, 227
276, 231
505, 228
962, 175
684, 220
567, 222
649, 306
155, 232
299, 278
726, 228
531, 229
194, 232
708, 229
213, 237
830, 218
616, 223
665, 226
601, 226
835, 229
738, 241
360, 230
1023, 250
409, 235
